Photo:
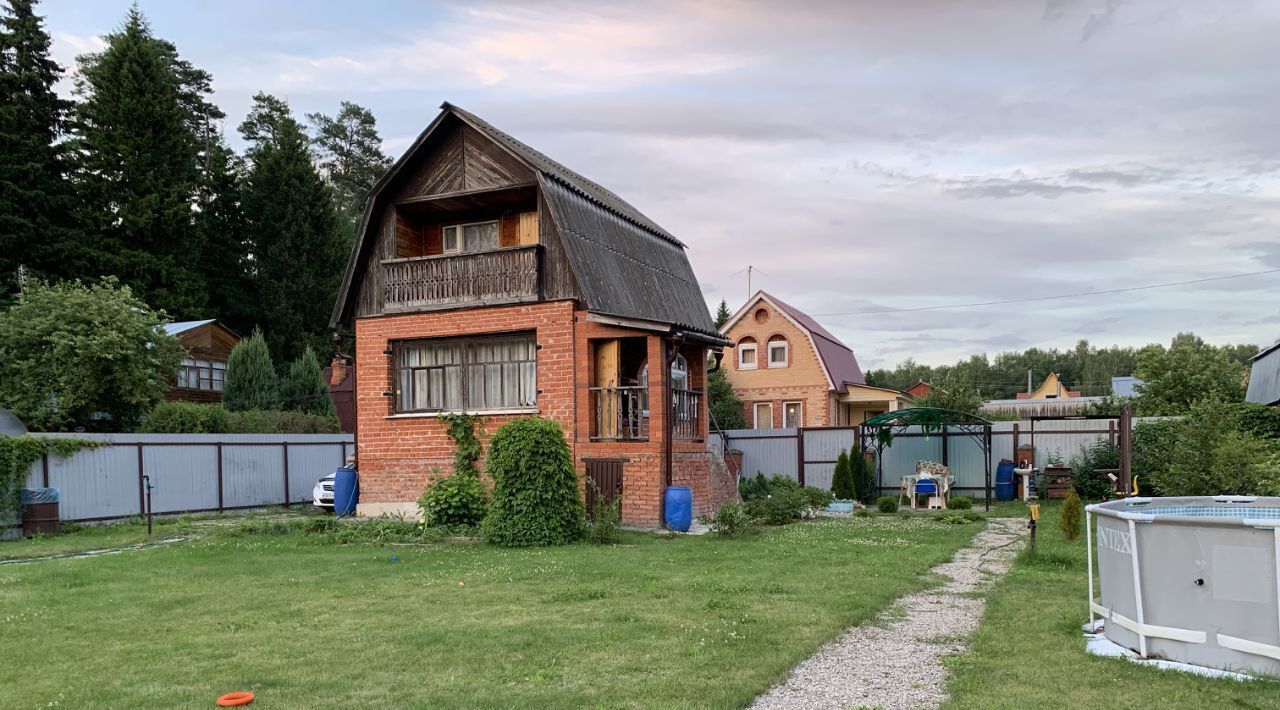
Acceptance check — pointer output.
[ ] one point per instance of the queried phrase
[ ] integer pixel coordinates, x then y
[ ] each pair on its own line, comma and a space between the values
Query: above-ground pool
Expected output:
1190, 579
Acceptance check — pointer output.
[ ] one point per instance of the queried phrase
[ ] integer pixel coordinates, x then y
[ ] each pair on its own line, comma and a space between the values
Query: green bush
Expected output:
959, 503
842, 485
784, 505
816, 498
887, 504
1072, 513
188, 418
863, 474
732, 520
751, 488
1211, 454
454, 500
535, 492
300, 423
606, 521
1153, 444
1086, 480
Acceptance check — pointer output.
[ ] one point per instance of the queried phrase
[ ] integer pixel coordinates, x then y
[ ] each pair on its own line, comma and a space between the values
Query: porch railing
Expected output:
619, 413
686, 413
507, 275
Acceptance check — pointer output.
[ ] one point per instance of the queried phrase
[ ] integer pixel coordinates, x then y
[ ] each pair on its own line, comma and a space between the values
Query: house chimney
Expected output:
337, 371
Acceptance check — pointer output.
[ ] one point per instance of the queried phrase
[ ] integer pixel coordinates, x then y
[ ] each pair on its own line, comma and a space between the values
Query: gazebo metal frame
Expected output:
879, 431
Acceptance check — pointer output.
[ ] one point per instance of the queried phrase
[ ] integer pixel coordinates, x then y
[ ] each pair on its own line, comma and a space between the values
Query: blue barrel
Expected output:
678, 508
1004, 481
346, 491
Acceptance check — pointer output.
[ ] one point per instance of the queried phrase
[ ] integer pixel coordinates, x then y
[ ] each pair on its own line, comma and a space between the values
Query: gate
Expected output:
604, 483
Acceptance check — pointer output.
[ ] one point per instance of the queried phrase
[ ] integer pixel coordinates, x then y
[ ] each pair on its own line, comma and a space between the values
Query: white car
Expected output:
322, 494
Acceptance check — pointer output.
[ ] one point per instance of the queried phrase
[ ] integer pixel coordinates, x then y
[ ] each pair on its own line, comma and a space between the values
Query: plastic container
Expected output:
346, 492
678, 508
1005, 484
40, 513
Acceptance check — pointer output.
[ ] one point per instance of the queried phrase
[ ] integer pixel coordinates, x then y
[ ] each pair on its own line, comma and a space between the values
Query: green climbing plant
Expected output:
17, 453
461, 427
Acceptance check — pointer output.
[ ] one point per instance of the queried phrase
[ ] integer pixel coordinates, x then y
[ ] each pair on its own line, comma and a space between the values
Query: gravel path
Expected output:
896, 661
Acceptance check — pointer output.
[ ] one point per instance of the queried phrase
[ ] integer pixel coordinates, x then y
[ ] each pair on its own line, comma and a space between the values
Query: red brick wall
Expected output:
400, 455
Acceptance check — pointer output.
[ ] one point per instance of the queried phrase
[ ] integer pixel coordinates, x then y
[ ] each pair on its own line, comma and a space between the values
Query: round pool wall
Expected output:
1190, 579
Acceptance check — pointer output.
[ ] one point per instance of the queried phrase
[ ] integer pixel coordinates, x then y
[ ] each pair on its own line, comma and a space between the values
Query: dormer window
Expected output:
467, 238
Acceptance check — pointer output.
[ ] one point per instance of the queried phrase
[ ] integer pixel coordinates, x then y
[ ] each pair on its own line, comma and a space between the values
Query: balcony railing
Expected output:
686, 410
620, 413
425, 283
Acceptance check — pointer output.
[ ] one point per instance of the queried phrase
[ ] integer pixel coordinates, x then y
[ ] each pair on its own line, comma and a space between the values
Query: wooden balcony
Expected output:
510, 275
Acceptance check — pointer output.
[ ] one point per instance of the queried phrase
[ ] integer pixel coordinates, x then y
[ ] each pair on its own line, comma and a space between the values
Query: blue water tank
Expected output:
678, 508
1004, 481
346, 491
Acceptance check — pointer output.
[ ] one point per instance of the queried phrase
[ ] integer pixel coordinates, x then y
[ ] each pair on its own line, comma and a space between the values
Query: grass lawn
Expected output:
689, 622
1028, 651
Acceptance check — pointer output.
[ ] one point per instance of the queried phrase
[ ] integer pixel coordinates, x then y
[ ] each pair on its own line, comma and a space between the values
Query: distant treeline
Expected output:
1085, 368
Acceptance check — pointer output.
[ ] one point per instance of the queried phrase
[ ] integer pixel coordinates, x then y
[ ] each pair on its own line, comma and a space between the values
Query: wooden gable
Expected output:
462, 160
211, 341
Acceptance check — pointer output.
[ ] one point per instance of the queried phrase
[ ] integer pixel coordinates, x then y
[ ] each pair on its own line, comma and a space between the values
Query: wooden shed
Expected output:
209, 343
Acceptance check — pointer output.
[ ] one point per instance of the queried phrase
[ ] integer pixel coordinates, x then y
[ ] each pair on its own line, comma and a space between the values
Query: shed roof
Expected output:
625, 264
184, 326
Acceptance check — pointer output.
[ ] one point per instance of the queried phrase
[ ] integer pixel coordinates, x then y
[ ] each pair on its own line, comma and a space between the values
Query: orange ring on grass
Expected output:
231, 700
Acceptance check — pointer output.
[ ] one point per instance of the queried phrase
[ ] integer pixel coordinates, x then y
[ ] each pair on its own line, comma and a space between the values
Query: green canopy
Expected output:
928, 417
878, 432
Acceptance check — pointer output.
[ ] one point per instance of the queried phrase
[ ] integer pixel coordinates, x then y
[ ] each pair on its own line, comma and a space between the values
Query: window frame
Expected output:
197, 375
800, 418
459, 241
755, 415
785, 345
742, 348
466, 362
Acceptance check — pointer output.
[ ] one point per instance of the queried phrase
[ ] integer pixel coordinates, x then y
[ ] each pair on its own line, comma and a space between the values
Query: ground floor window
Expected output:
762, 415
792, 415
455, 374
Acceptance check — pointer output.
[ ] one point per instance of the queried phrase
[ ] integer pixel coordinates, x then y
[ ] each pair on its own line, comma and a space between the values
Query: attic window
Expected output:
747, 355
466, 238
761, 315
778, 352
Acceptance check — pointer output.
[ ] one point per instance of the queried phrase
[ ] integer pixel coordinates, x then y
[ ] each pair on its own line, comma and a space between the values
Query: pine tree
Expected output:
35, 196
293, 232
222, 229
350, 158
722, 313
138, 168
251, 381
1072, 513
862, 475
304, 388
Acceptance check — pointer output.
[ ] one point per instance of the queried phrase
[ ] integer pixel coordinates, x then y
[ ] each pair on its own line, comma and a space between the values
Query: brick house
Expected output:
488, 278
789, 371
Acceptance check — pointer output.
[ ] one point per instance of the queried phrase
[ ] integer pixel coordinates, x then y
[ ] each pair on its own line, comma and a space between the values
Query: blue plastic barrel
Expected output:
1004, 481
678, 508
346, 491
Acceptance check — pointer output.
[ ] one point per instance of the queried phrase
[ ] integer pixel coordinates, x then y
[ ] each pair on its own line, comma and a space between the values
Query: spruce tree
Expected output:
842, 479
251, 381
722, 313
303, 387
298, 250
35, 198
138, 165
222, 232
350, 156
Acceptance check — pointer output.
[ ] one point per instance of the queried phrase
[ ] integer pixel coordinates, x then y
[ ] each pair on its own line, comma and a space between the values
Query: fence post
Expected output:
142, 493
284, 447
220, 502
800, 455
44, 467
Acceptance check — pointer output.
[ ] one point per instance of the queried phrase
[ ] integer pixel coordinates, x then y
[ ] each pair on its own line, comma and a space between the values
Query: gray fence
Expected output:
788, 452
187, 472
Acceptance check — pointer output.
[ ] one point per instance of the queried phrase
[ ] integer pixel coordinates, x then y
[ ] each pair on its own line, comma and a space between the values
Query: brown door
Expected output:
607, 399
604, 484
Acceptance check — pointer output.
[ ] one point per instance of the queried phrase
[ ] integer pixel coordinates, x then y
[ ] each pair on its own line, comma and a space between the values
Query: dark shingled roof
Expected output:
626, 265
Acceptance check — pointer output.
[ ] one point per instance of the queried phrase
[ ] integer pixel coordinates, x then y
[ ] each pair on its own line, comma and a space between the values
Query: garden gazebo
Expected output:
877, 432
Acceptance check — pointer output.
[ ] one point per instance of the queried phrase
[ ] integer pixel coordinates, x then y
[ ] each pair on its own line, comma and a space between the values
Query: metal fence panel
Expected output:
308, 463
252, 475
821, 449
97, 483
767, 451
182, 477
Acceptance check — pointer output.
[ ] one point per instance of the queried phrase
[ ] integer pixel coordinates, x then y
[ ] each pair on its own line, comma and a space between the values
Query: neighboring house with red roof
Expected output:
790, 371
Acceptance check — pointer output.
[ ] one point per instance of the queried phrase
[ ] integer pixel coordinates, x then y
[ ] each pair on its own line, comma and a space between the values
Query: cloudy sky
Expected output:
865, 156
